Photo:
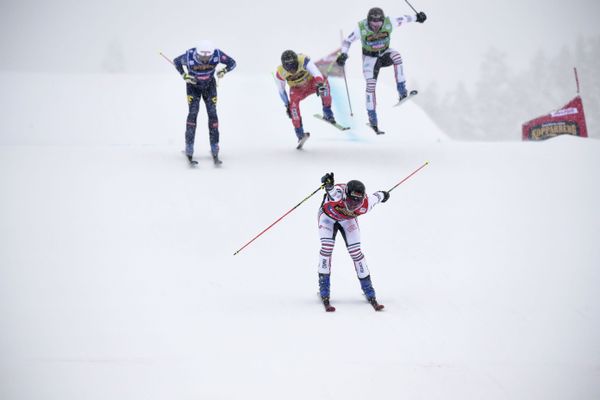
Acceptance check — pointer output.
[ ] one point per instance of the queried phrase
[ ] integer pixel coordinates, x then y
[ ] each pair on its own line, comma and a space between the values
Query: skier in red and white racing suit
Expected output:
341, 206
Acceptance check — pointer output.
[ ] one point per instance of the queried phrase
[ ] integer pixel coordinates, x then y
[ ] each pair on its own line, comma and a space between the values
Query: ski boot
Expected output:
302, 137
324, 292
214, 150
327, 304
328, 115
369, 291
402, 92
373, 122
324, 284
375, 304
192, 162
189, 152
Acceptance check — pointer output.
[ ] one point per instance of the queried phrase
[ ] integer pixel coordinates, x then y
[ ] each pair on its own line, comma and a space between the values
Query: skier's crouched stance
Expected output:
201, 63
341, 206
304, 78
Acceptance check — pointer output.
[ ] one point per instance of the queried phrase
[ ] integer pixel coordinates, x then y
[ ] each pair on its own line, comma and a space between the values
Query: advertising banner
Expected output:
569, 120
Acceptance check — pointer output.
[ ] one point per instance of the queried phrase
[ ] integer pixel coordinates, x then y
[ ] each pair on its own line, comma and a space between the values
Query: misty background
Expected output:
117, 274
483, 68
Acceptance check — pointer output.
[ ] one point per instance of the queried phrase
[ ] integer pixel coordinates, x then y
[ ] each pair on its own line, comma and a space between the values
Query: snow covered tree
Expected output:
503, 100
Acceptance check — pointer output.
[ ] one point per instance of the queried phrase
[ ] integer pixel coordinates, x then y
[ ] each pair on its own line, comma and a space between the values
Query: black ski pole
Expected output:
411, 6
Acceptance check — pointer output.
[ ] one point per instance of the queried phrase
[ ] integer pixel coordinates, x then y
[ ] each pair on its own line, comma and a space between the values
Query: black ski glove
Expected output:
386, 196
327, 180
341, 60
288, 111
321, 88
421, 17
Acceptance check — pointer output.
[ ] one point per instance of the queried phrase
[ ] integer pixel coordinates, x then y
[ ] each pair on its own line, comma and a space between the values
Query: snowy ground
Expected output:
118, 280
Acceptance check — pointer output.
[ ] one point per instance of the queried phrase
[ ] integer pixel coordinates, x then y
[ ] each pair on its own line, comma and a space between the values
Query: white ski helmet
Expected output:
204, 50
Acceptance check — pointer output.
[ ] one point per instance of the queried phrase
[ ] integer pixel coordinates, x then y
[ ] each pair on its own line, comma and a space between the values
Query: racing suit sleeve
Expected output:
179, 62
312, 69
349, 39
280, 83
334, 193
404, 19
374, 199
228, 61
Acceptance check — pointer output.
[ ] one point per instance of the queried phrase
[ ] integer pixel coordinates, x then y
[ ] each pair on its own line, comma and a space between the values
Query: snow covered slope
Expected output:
118, 280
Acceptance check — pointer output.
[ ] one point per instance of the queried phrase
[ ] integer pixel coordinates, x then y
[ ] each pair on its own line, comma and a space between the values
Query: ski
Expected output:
376, 305
217, 161
191, 162
376, 129
340, 127
410, 95
303, 140
327, 305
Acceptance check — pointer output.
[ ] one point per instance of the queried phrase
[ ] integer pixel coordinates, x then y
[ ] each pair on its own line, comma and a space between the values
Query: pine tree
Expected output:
503, 101
494, 97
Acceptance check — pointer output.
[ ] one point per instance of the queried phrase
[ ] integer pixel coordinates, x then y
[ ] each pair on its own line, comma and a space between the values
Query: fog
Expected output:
117, 279
126, 36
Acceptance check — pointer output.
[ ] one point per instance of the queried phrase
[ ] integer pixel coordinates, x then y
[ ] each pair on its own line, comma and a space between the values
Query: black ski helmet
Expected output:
355, 193
289, 60
375, 14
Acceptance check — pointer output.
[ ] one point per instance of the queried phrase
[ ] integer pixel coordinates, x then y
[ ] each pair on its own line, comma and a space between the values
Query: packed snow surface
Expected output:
118, 279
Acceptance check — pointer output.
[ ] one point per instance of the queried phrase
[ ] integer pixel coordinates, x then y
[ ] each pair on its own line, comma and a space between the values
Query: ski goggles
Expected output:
376, 18
203, 56
354, 200
290, 66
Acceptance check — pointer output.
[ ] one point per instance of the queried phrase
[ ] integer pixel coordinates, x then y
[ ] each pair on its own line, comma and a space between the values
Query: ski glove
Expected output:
386, 195
321, 89
189, 78
341, 60
421, 17
221, 73
327, 180
288, 111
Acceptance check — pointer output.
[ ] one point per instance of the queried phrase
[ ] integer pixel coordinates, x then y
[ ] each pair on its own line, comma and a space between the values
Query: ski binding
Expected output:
410, 95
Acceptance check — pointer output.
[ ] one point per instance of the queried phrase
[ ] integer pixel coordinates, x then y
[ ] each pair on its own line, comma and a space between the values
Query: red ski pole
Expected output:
280, 218
414, 172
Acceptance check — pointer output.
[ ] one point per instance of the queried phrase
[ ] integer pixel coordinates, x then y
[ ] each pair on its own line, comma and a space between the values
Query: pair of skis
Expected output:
307, 134
194, 163
339, 126
329, 308
401, 101
374, 127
